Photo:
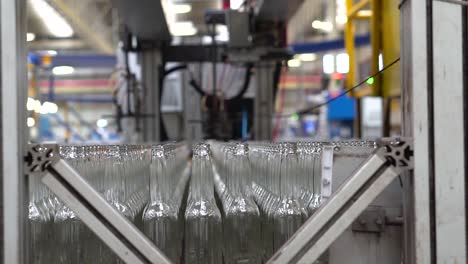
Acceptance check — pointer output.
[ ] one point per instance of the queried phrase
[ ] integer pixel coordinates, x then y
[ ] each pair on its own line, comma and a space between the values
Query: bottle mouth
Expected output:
289, 148
241, 149
201, 150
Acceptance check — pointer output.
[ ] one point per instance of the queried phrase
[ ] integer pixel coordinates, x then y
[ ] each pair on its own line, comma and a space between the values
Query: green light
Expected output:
295, 117
370, 81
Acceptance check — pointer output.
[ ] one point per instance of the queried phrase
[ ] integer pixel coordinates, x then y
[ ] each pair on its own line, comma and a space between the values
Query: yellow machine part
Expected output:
385, 40
390, 35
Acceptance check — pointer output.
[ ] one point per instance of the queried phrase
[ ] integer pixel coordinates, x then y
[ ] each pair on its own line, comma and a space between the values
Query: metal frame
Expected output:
264, 101
434, 72
340, 211
13, 134
151, 63
111, 227
415, 90
449, 134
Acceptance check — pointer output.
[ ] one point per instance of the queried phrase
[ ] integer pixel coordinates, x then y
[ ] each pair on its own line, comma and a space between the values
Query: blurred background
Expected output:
106, 71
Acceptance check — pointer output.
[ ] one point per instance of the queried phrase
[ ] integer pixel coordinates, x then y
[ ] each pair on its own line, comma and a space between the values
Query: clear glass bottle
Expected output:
68, 229
241, 222
289, 215
203, 230
266, 161
160, 217
315, 183
40, 217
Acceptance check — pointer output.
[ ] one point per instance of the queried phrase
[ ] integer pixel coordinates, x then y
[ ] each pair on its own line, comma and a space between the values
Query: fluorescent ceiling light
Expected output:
380, 62
294, 63
33, 105
322, 25
102, 123
236, 4
183, 29
31, 122
63, 70
180, 8
49, 108
30, 36
37, 106
45, 108
342, 63
51, 52
328, 64
341, 19
30, 104
55, 23
306, 57
365, 13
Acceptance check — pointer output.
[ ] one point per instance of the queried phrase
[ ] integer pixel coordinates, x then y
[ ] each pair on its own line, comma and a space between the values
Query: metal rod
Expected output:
376, 44
356, 8
350, 48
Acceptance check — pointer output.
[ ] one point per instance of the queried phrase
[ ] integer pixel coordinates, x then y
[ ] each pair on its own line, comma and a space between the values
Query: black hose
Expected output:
163, 132
196, 86
174, 69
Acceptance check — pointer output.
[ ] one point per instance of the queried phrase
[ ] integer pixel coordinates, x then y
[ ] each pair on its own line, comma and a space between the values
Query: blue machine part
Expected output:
343, 108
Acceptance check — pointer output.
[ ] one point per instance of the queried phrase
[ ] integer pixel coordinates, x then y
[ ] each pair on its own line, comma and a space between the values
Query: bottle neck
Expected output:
288, 175
239, 176
201, 183
160, 181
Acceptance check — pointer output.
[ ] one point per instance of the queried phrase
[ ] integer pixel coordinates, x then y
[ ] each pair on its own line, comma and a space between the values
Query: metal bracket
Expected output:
109, 225
39, 157
371, 220
399, 152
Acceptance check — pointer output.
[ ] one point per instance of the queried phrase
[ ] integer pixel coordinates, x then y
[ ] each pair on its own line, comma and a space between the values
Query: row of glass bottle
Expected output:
249, 213
267, 191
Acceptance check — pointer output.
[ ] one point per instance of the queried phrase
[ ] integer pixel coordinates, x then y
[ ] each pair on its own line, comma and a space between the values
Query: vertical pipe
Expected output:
376, 45
350, 47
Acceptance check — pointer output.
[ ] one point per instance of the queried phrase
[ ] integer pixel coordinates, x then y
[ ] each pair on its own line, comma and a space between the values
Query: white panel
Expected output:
449, 133
414, 48
327, 172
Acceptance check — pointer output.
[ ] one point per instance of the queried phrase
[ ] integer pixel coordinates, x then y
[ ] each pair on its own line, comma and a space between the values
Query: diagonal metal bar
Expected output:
71, 187
107, 223
337, 213
93, 222
352, 213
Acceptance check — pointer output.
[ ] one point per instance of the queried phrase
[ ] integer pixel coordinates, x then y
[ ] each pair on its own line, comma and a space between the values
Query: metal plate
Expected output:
370, 221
